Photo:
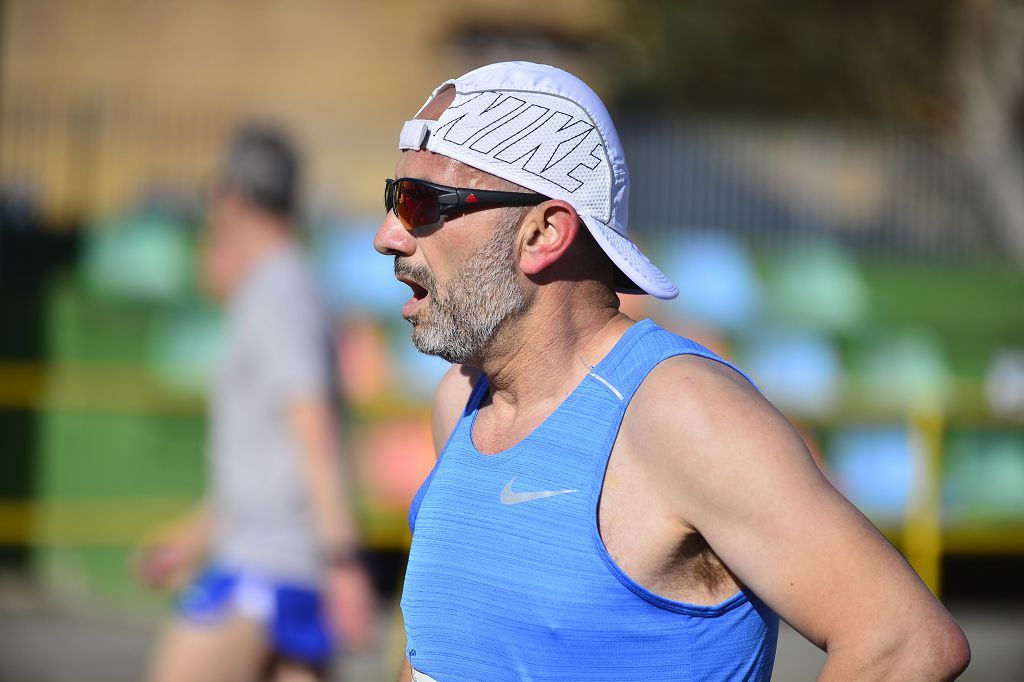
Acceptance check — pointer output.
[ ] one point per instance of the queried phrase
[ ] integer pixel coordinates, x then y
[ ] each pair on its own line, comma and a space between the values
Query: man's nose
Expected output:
392, 239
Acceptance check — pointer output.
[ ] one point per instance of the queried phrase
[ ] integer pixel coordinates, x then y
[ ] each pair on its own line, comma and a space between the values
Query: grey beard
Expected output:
461, 320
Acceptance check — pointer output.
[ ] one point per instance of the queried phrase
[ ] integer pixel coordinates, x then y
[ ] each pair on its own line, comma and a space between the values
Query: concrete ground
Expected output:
46, 641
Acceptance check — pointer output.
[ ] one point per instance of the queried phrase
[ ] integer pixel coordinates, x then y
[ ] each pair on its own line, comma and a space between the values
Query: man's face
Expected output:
463, 273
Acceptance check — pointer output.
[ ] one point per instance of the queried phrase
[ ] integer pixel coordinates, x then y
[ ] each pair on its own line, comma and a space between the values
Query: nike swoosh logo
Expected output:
509, 496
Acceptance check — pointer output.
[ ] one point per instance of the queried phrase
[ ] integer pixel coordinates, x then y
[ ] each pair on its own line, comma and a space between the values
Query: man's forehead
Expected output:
430, 166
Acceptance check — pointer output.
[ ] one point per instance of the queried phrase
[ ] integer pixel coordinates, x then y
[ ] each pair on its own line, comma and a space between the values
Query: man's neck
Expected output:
542, 356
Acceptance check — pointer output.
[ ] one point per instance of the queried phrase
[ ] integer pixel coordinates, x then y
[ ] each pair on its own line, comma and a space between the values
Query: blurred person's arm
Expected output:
406, 674
167, 556
349, 589
726, 464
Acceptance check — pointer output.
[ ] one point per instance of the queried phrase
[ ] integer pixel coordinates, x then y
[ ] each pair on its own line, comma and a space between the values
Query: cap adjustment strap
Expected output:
415, 134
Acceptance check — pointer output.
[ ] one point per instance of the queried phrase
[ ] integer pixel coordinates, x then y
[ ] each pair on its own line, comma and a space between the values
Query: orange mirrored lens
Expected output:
416, 205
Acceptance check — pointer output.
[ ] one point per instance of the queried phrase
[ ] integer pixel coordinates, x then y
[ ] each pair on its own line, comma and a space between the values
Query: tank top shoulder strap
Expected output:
644, 348
476, 396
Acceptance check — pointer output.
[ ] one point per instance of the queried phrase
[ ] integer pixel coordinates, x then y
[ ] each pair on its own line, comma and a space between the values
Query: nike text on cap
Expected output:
546, 130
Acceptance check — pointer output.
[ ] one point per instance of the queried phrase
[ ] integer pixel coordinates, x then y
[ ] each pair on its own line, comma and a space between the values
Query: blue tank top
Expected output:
508, 576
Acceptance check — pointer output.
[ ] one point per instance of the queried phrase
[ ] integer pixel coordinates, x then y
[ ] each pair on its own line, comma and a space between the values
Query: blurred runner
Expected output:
282, 568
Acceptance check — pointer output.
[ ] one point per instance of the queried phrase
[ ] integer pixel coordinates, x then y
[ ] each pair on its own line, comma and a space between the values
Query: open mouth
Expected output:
419, 292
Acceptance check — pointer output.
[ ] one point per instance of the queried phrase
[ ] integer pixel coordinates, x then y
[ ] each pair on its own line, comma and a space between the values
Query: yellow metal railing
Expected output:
922, 526
126, 388
122, 523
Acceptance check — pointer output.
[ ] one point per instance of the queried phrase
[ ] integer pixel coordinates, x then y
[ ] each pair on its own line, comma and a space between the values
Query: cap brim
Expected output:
643, 277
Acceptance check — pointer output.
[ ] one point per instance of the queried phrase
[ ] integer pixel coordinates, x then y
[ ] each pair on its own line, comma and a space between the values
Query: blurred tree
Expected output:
873, 61
990, 69
951, 69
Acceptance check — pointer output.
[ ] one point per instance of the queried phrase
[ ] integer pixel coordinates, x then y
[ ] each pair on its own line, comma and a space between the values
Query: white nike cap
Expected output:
546, 130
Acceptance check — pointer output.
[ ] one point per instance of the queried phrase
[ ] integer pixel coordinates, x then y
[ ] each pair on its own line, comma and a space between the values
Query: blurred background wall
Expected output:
837, 188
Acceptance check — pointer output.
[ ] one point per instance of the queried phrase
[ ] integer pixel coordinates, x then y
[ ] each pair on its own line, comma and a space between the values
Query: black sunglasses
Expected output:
419, 203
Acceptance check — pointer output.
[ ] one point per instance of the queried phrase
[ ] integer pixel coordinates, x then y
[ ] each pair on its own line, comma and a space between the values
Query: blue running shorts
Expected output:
296, 624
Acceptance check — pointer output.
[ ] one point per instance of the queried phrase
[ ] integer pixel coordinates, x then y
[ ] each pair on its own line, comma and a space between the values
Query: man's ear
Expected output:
548, 230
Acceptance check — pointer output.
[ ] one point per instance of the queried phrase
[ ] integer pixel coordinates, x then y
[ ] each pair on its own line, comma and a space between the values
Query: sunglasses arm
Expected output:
469, 197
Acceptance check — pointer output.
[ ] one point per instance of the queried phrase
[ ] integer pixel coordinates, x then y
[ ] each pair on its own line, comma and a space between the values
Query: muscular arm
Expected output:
727, 464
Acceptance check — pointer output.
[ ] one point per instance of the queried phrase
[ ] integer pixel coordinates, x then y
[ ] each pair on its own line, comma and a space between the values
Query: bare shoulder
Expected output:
703, 429
449, 400
686, 391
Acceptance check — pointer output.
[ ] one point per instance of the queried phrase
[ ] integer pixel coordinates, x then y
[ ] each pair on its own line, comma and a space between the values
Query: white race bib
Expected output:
417, 676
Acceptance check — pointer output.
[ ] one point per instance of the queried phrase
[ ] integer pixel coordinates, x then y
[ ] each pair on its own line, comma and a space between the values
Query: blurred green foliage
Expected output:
873, 61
